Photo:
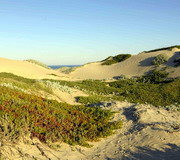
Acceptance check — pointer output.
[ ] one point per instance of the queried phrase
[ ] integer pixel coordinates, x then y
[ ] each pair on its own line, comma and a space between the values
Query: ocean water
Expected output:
60, 66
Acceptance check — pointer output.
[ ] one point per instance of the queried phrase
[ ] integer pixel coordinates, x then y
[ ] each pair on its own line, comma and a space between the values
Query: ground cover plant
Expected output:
115, 59
51, 121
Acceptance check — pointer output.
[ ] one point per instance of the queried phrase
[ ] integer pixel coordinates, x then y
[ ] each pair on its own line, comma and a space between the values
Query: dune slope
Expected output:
28, 70
136, 65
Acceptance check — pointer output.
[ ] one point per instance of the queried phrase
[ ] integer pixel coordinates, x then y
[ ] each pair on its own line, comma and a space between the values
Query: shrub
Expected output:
177, 61
116, 59
160, 59
161, 94
154, 76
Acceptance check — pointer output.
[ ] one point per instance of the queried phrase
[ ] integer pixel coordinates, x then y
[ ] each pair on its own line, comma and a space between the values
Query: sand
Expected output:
136, 65
148, 133
29, 70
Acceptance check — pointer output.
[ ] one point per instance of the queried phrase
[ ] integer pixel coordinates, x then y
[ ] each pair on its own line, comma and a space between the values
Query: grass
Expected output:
115, 59
38, 63
165, 48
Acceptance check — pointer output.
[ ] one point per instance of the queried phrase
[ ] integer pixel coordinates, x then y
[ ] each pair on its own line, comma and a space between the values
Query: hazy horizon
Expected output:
61, 32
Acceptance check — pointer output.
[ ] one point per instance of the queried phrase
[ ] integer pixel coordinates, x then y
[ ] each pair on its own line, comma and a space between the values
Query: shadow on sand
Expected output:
148, 61
172, 152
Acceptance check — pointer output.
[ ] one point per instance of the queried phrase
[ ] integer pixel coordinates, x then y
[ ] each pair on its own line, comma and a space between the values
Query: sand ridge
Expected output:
136, 65
28, 70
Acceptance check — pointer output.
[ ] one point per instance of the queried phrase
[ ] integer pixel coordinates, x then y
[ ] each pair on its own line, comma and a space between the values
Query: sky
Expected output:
64, 32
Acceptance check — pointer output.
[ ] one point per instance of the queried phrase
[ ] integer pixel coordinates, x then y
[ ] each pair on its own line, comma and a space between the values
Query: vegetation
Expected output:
160, 59
165, 48
177, 61
51, 121
154, 76
158, 94
116, 59
38, 63
92, 99
152, 88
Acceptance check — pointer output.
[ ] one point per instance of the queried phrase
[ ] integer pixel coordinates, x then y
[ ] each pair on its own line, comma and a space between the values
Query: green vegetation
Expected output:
165, 48
92, 99
116, 59
160, 59
51, 121
153, 88
89, 86
4, 75
67, 70
32, 85
154, 76
38, 63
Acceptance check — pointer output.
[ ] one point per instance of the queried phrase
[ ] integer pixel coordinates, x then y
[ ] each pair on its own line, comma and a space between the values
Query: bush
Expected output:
154, 76
116, 59
161, 94
177, 61
160, 59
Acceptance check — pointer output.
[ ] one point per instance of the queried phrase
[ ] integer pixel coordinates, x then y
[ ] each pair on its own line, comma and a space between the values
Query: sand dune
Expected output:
134, 66
28, 70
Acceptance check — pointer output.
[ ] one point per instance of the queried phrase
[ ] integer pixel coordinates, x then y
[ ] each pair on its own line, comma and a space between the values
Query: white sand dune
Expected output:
134, 66
28, 70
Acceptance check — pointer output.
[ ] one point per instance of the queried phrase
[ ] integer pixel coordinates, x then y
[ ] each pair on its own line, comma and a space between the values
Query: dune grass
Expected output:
164, 48
38, 63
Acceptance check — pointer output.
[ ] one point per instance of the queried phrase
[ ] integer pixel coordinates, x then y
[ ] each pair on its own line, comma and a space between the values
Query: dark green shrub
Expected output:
154, 76
160, 59
116, 59
177, 61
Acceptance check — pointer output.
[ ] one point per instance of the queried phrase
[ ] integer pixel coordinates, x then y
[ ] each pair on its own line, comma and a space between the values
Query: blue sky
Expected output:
78, 31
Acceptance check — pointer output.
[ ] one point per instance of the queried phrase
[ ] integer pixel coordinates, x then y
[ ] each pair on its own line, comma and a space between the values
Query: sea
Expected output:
60, 66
